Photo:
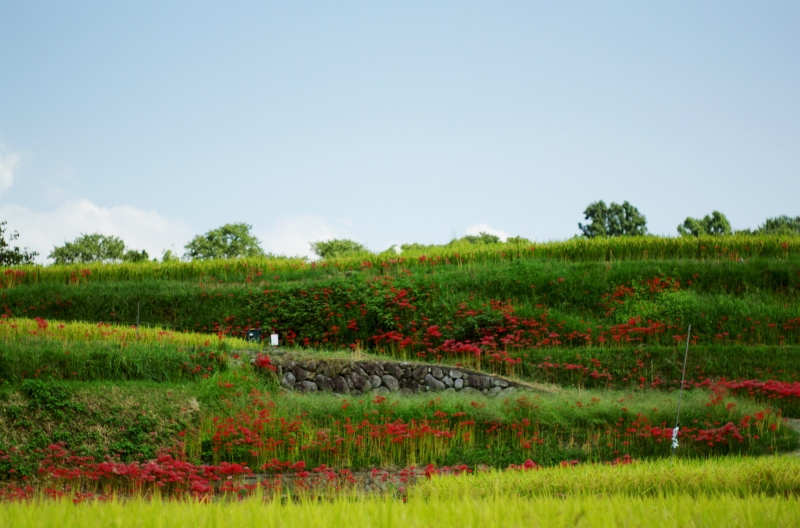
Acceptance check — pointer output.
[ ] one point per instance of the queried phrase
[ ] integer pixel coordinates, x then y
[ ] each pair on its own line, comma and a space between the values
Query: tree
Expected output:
715, 224
784, 225
13, 256
519, 241
479, 239
169, 256
132, 255
90, 248
337, 248
228, 241
613, 220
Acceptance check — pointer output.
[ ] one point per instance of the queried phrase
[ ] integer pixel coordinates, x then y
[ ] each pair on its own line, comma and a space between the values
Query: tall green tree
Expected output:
784, 225
13, 255
131, 255
479, 239
228, 241
714, 224
613, 220
337, 247
89, 248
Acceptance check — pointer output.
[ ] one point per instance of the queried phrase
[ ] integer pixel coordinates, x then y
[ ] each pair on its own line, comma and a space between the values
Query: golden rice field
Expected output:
16, 328
714, 493
462, 512
730, 476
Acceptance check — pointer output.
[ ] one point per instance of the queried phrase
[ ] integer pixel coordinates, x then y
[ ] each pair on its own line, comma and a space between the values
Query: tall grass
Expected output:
461, 512
738, 477
16, 328
577, 249
35, 348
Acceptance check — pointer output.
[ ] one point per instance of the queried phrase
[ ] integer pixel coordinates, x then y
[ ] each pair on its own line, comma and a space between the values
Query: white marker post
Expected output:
680, 396
273, 340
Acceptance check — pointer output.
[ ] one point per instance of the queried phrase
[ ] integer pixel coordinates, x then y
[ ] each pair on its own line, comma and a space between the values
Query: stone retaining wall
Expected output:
383, 377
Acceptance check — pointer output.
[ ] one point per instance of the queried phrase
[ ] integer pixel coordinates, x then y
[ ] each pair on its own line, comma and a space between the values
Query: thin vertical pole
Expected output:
680, 395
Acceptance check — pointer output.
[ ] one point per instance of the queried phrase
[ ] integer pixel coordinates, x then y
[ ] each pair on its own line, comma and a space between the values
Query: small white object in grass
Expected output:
273, 339
675, 438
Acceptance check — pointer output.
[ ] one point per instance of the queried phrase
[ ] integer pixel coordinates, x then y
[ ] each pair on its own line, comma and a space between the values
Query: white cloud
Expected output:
42, 230
484, 228
8, 163
292, 235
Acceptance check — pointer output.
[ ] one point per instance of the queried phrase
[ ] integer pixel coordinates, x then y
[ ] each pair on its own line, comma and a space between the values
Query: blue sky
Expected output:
391, 122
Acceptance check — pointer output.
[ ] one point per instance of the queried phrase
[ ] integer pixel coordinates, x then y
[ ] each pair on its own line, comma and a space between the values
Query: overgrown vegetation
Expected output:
602, 321
443, 309
13, 255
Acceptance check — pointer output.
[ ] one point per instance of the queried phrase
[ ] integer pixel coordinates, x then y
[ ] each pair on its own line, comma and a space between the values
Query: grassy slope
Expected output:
135, 420
715, 297
467, 297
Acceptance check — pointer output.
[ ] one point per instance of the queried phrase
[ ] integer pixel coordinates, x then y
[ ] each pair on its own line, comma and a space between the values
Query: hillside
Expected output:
605, 336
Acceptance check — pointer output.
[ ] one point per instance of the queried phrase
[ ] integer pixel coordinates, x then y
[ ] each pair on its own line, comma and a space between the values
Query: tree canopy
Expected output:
228, 241
13, 256
714, 224
613, 220
337, 247
479, 239
784, 225
91, 248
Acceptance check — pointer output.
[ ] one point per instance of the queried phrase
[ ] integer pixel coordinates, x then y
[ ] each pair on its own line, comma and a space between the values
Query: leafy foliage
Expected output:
480, 238
337, 247
12, 256
90, 248
715, 224
169, 256
135, 256
781, 225
226, 242
613, 220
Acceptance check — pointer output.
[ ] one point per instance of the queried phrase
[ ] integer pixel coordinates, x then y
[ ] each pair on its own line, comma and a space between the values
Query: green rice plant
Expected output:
753, 303
35, 348
259, 270
82, 360
586, 426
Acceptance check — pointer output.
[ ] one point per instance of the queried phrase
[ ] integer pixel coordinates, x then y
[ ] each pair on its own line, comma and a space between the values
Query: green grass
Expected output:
133, 420
91, 352
718, 249
90, 361
139, 419
570, 425
753, 303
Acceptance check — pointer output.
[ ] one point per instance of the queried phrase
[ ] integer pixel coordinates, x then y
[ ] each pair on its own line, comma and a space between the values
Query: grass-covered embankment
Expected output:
234, 417
260, 270
452, 309
89, 352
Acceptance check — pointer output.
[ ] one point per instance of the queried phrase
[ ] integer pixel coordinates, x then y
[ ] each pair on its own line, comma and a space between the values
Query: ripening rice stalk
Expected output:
735, 247
733, 477
456, 511
17, 328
